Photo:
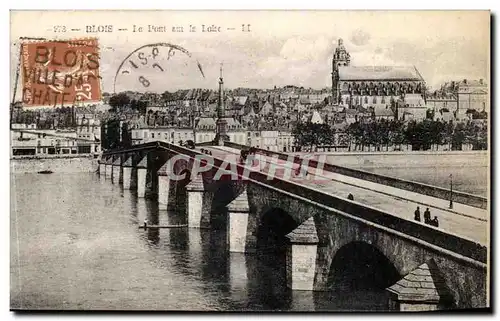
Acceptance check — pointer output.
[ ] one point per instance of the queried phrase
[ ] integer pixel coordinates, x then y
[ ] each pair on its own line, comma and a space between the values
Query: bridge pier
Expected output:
238, 213
423, 289
108, 168
102, 168
301, 256
167, 190
163, 191
116, 166
163, 186
198, 204
142, 171
127, 173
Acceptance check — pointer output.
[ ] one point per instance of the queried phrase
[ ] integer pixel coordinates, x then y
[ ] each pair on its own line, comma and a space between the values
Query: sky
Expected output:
281, 48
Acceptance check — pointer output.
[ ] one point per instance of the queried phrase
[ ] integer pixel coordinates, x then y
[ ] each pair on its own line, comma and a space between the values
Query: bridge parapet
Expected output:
425, 189
423, 233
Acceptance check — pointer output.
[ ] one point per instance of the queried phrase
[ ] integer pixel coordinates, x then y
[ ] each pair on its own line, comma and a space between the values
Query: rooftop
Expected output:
383, 112
379, 73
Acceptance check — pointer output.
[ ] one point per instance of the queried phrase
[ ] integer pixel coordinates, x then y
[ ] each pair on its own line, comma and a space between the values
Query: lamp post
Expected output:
451, 191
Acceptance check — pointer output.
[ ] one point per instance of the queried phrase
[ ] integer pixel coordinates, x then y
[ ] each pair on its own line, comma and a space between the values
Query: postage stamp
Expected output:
60, 73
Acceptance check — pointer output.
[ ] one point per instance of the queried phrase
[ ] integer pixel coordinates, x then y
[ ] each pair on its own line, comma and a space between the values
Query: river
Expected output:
75, 244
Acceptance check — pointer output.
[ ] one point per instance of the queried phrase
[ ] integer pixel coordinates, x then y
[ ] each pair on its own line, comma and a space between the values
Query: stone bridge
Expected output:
327, 240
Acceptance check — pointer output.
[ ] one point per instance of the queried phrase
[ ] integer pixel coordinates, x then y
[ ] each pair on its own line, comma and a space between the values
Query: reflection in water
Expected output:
153, 235
267, 282
152, 213
75, 244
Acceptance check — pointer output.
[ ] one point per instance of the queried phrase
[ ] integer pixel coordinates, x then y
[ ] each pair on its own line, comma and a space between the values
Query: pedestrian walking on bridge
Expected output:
427, 216
417, 214
435, 222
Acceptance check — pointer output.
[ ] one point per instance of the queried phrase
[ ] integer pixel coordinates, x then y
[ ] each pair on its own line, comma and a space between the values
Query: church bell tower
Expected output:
340, 58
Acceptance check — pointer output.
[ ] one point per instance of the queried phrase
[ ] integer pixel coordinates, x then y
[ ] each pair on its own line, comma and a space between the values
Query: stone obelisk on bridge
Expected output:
221, 123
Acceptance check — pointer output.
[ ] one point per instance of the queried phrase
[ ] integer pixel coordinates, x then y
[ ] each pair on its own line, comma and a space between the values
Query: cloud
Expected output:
302, 61
298, 48
360, 37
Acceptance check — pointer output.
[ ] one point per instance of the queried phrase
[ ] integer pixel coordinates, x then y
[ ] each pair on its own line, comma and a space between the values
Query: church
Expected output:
371, 86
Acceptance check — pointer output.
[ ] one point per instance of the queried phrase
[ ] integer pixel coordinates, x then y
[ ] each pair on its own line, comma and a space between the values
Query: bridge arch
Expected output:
274, 224
359, 265
181, 163
224, 192
271, 249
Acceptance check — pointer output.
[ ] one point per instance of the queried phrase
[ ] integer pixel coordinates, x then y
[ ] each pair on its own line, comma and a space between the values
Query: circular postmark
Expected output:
155, 67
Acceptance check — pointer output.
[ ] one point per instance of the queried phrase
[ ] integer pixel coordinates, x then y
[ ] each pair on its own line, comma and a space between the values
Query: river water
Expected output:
75, 244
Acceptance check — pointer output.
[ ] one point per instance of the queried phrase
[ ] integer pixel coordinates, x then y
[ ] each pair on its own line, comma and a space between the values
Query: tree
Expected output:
111, 134
482, 140
119, 101
167, 96
355, 133
458, 137
397, 137
312, 135
480, 115
448, 133
126, 140
429, 114
139, 105
325, 135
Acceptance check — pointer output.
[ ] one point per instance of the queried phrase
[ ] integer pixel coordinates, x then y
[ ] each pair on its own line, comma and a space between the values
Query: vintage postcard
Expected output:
250, 160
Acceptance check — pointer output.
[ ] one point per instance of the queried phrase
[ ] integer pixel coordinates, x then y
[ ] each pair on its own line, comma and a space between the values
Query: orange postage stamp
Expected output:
60, 72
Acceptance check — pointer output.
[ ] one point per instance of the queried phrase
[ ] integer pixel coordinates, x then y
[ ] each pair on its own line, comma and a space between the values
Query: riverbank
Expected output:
54, 163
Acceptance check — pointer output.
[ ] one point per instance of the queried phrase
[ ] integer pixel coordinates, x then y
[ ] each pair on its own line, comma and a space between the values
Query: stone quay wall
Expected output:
59, 164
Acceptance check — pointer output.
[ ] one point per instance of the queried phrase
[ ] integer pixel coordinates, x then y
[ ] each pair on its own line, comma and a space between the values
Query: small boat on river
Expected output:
45, 172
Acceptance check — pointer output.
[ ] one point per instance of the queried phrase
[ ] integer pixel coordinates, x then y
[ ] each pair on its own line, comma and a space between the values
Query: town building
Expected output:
166, 134
383, 113
350, 115
460, 98
286, 141
316, 118
411, 107
472, 95
203, 132
88, 126
28, 140
442, 103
